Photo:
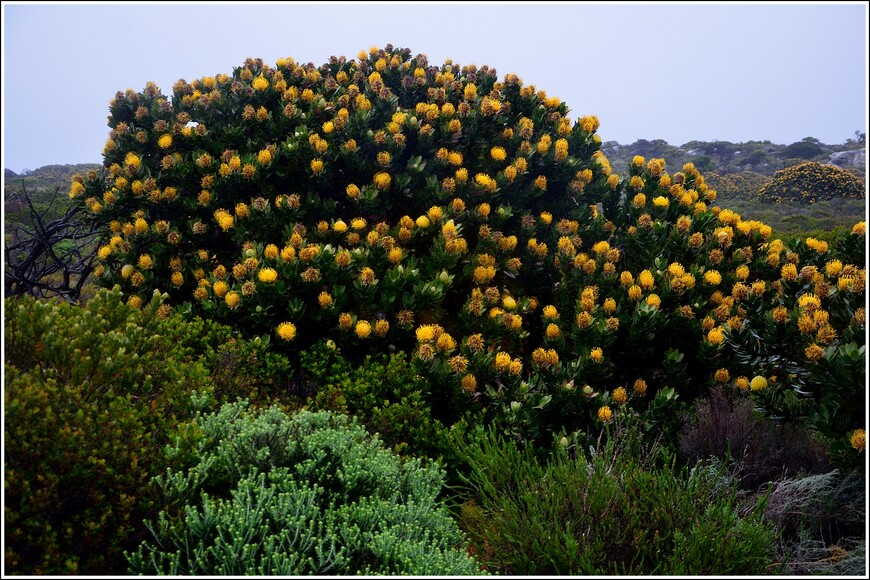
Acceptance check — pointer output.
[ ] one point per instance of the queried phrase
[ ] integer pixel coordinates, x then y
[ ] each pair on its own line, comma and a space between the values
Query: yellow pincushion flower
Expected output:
597, 355
858, 439
814, 352
498, 153
646, 280
165, 141
712, 277
469, 383
445, 342
382, 180
367, 276
809, 302
260, 84
553, 331
484, 181
605, 414
76, 189
145, 262
758, 383
267, 275
716, 335
789, 272
264, 157
287, 331
502, 361
220, 288
316, 166
722, 376
426, 333
363, 329
550, 312
232, 299
620, 395
860, 229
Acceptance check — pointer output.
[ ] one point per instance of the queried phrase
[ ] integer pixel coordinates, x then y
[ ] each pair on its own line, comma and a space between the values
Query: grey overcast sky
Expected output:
678, 72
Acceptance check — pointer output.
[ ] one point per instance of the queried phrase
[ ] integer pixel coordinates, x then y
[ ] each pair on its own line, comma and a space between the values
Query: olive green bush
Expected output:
309, 493
615, 512
387, 396
91, 395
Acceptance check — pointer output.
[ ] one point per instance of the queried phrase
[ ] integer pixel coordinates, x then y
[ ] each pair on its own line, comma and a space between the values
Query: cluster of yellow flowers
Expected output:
465, 218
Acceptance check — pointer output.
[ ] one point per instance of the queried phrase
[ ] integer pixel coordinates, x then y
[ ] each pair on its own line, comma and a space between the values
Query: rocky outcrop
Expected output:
851, 158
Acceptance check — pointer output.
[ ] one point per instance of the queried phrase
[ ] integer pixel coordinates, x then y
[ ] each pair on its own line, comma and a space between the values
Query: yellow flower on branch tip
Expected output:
814, 352
363, 329
267, 275
620, 395
605, 414
758, 383
287, 331
858, 439
260, 84
382, 180
639, 387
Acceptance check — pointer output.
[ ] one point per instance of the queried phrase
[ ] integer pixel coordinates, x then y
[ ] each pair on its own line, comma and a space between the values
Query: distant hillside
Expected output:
723, 157
47, 177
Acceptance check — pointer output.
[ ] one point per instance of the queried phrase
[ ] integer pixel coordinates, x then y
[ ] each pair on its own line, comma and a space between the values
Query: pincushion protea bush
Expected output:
811, 182
385, 202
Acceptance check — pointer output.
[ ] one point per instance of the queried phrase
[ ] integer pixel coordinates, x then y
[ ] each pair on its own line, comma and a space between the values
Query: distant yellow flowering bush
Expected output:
811, 182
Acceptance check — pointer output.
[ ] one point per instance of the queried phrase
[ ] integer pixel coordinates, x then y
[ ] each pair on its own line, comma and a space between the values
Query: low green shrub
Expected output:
385, 393
614, 513
91, 395
310, 493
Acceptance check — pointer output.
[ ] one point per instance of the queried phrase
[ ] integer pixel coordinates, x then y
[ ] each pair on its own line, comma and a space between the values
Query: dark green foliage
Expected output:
90, 397
311, 493
616, 513
385, 393
240, 368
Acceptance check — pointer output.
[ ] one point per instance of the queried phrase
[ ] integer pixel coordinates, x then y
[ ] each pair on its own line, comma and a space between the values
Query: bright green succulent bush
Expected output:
811, 182
90, 395
616, 513
310, 493
383, 202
